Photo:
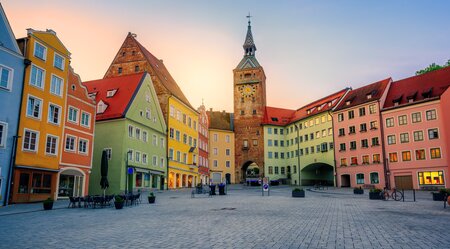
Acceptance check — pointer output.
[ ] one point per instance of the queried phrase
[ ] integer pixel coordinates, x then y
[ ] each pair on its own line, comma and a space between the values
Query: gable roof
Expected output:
80, 90
162, 73
418, 88
360, 95
277, 116
220, 120
7, 38
50, 38
126, 86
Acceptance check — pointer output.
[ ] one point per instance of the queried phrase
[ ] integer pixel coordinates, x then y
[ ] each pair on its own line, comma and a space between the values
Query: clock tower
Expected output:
249, 89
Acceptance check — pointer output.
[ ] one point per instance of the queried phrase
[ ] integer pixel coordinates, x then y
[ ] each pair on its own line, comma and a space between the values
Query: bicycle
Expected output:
396, 195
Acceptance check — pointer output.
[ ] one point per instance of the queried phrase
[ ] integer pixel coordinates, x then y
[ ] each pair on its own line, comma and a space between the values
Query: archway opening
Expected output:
318, 174
251, 173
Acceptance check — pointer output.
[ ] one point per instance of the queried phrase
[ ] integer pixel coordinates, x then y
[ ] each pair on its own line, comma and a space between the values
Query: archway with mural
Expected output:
318, 173
251, 173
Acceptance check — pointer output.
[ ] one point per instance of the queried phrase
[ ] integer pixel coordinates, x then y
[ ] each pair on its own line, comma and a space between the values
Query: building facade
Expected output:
180, 116
358, 137
249, 90
221, 147
203, 145
416, 131
131, 129
11, 82
78, 140
42, 117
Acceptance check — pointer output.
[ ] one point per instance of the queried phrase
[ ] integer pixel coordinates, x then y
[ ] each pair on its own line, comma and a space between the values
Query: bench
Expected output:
201, 191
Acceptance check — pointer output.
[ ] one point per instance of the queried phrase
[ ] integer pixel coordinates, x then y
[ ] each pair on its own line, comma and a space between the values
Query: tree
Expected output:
432, 67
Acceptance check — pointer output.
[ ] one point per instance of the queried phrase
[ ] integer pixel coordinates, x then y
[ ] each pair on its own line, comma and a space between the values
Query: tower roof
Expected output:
249, 44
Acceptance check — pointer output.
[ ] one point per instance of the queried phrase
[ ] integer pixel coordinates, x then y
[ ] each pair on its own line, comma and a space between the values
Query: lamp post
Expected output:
297, 127
126, 171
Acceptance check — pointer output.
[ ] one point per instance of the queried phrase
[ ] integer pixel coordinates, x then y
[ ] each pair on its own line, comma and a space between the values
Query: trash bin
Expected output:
212, 188
221, 189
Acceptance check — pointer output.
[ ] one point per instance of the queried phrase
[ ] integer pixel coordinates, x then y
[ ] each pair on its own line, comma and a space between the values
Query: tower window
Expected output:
254, 112
123, 53
120, 70
242, 112
242, 100
253, 99
133, 52
136, 68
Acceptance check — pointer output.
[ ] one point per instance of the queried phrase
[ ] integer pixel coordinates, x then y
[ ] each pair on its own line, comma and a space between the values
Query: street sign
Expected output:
130, 171
266, 187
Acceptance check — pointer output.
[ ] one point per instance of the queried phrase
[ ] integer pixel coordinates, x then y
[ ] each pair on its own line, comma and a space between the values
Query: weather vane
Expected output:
249, 16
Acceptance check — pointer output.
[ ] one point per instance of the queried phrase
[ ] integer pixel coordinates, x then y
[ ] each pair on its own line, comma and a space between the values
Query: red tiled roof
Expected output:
417, 87
359, 96
126, 87
282, 117
163, 74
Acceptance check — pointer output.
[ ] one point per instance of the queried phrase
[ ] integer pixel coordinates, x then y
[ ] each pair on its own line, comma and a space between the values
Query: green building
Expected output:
130, 127
301, 137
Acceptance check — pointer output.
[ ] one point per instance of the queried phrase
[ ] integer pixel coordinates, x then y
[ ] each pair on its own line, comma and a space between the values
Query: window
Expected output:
227, 138
283, 170
393, 157
161, 142
255, 142
41, 183
108, 153
58, 61
144, 158
330, 131
276, 155
56, 85
375, 141
390, 122
363, 127
351, 114
155, 140
340, 117
406, 156
138, 133
402, 120
215, 151
3, 133
431, 114
270, 170
362, 111
352, 130
245, 143
73, 115
137, 156
373, 125
177, 135
270, 154
171, 154
359, 178
37, 77
404, 138
119, 70
144, 136
418, 136
353, 145
275, 143
130, 131
276, 170
82, 146
34, 107
317, 134
70, 143
342, 147
364, 143
51, 145
161, 162
365, 159
435, 153
227, 164
433, 133
416, 117
30, 140
171, 133
374, 178
40, 51
391, 139
343, 161
295, 170
185, 139
53, 114
354, 160
6, 76
372, 109
155, 161
227, 152
130, 155
342, 132
215, 164
85, 119
420, 154
431, 178
376, 158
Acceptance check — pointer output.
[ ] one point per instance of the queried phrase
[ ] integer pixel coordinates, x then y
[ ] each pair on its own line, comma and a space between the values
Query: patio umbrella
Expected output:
104, 172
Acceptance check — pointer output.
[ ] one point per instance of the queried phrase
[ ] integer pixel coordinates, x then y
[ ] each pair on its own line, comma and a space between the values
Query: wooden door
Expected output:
403, 182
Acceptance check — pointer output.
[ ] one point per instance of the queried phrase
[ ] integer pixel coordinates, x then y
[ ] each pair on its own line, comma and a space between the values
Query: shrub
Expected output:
297, 190
49, 200
151, 194
375, 190
444, 191
118, 199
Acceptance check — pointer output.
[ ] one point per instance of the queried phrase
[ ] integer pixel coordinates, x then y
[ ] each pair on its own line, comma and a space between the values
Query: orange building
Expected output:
78, 139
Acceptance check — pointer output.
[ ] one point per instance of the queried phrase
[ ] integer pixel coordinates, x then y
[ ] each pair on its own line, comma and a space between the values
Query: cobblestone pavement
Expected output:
242, 219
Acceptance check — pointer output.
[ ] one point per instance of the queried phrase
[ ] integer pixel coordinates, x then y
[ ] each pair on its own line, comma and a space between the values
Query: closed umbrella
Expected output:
104, 172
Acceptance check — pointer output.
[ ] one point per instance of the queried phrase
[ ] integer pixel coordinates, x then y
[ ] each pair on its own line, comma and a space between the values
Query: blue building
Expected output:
11, 83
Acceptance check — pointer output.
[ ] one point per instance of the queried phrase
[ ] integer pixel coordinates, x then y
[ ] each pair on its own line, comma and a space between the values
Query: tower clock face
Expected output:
247, 90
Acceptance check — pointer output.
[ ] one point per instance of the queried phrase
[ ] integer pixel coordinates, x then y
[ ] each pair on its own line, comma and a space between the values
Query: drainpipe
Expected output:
167, 144
387, 180
9, 186
297, 127
334, 150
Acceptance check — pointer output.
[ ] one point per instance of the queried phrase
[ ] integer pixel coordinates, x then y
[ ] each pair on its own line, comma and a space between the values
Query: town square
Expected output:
213, 124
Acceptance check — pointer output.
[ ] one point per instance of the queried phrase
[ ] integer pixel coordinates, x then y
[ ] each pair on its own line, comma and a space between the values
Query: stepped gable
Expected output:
360, 95
80, 91
163, 75
219, 120
277, 116
418, 88
126, 88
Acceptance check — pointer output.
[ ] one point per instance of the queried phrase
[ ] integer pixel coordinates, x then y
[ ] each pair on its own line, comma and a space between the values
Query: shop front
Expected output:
71, 183
431, 179
33, 184
148, 179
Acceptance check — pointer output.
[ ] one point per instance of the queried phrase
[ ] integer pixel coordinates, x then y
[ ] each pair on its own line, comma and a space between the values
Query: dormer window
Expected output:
274, 119
397, 100
411, 98
111, 93
101, 107
369, 96
308, 112
427, 94
348, 102
92, 95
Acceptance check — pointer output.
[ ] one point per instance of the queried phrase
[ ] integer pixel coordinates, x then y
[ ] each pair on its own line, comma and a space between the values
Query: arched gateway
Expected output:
251, 173
318, 173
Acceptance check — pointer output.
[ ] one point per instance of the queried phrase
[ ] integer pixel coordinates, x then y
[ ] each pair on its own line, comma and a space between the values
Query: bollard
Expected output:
414, 195
403, 195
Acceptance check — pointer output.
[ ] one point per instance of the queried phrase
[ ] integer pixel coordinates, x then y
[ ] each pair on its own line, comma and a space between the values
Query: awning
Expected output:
36, 168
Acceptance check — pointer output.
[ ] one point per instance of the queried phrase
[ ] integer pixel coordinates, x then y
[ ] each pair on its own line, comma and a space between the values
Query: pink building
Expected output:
358, 137
203, 127
416, 131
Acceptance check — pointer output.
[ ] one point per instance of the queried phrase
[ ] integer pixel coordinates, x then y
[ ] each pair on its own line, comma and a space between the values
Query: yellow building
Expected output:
221, 147
41, 116
182, 144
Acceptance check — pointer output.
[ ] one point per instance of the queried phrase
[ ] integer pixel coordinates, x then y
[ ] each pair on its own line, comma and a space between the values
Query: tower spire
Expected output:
249, 44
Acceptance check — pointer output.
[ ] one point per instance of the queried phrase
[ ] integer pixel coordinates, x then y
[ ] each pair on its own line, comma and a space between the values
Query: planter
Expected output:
375, 196
297, 194
151, 199
212, 189
48, 205
358, 191
221, 190
438, 196
118, 205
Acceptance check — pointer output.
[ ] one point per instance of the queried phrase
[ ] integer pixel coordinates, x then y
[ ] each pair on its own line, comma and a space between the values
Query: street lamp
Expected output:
297, 128
126, 171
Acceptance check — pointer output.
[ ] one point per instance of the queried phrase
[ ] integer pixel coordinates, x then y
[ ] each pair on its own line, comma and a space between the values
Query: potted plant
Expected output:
298, 192
374, 194
151, 198
222, 189
48, 204
439, 196
358, 191
118, 202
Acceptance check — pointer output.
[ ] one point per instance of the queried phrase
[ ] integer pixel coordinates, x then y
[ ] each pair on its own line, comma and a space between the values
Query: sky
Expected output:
308, 49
